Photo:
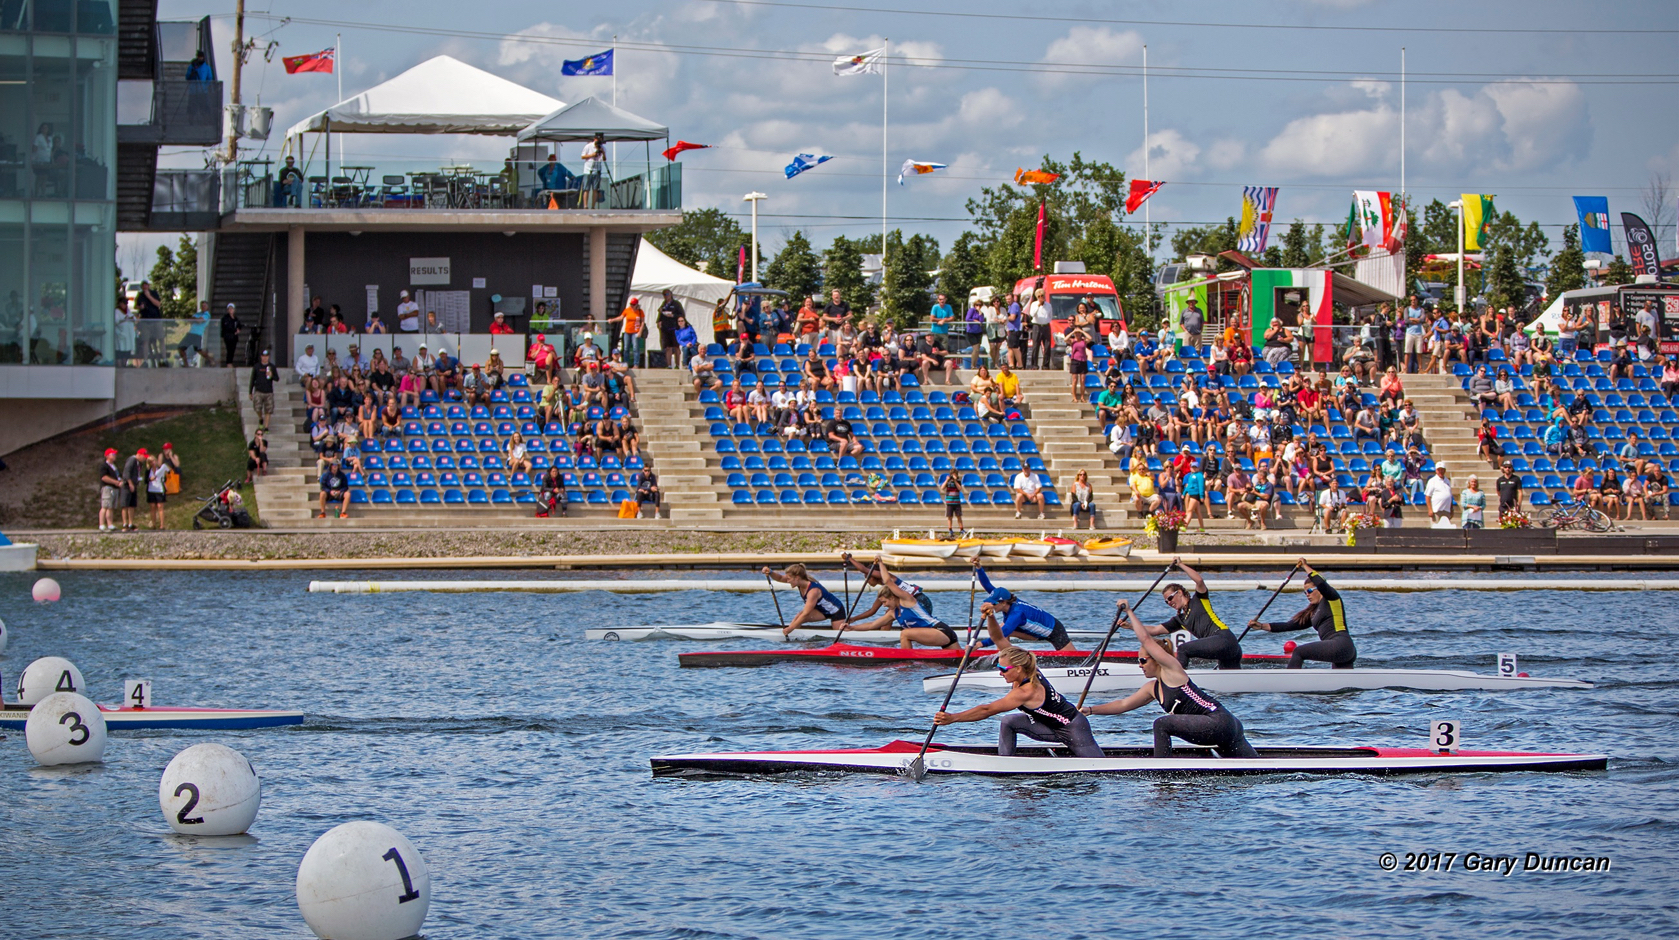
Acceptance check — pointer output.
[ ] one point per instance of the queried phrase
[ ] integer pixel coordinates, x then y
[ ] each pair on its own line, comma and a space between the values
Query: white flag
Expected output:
867, 63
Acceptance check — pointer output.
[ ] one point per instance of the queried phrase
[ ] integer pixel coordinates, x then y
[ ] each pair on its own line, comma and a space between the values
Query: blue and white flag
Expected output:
598, 64
917, 168
805, 161
1594, 223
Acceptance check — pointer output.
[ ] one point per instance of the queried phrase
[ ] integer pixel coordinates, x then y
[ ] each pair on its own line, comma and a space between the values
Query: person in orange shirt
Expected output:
632, 334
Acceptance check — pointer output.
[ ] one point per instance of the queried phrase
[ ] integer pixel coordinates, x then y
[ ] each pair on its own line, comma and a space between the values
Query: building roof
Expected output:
584, 119
442, 95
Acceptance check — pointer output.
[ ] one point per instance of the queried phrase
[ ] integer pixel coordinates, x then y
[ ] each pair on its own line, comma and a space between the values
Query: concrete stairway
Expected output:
1449, 423
283, 496
671, 432
1070, 439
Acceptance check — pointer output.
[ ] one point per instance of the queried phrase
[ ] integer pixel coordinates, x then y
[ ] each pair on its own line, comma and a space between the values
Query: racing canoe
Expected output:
1126, 679
769, 632
13, 717
848, 654
1187, 761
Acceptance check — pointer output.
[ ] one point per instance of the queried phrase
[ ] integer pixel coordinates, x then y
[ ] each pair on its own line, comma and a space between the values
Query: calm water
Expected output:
514, 755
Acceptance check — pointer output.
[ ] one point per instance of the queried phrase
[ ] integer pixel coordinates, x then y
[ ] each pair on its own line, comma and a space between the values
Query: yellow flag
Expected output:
1477, 220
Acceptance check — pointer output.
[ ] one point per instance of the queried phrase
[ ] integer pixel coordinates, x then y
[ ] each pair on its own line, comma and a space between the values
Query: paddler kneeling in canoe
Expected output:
819, 602
875, 573
1044, 714
1018, 615
914, 623
1191, 714
1324, 613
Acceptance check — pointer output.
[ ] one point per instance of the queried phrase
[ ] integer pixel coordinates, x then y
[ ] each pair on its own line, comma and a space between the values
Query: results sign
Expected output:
428, 270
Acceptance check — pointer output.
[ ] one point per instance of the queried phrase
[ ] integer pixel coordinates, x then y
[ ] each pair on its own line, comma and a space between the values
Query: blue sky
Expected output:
1535, 117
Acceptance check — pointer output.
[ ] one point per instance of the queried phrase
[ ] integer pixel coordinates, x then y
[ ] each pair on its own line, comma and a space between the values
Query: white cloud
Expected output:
1333, 144
1090, 45
1543, 124
1171, 156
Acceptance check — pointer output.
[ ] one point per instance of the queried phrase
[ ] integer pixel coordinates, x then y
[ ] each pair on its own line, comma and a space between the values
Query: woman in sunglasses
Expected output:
1325, 614
1043, 713
1191, 714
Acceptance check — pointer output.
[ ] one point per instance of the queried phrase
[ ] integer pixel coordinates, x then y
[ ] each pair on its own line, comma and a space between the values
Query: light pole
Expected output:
753, 198
1460, 295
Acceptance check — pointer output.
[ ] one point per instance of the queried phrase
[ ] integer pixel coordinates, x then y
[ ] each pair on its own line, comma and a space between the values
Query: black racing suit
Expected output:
1334, 644
1213, 640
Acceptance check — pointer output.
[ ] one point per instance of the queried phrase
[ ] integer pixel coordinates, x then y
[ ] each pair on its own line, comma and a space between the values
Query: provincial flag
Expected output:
1478, 213
1594, 223
1375, 216
1140, 191
1401, 224
314, 62
916, 168
1255, 228
598, 64
682, 145
805, 161
1026, 177
867, 63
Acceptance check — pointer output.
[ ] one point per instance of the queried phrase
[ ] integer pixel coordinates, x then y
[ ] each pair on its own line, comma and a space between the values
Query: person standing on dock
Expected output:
1325, 614
1213, 639
1017, 615
819, 602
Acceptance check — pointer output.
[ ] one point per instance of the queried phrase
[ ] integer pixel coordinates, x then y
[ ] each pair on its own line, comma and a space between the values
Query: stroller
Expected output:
226, 509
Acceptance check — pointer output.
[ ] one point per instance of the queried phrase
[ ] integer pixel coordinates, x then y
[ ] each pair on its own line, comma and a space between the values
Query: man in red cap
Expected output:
134, 471
110, 491
544, 358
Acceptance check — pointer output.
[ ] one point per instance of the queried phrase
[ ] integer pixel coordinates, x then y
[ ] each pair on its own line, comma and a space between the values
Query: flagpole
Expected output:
615, 101
1147, 216
338, 73
885, 94
1401, 120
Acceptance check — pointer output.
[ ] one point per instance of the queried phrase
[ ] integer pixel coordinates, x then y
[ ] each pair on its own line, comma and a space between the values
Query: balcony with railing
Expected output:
169, 112
623, 186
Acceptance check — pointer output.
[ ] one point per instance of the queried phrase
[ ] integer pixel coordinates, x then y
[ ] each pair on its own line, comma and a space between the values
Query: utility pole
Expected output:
239, 52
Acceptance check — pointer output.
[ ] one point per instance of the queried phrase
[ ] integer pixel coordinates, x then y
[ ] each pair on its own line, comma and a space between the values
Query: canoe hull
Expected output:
1119, 679
847, 654
14, 717
919, 548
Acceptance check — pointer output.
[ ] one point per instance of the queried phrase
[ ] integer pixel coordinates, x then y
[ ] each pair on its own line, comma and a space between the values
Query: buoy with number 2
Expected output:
46, 591
363, 881
45, 676
65, 728
209, 790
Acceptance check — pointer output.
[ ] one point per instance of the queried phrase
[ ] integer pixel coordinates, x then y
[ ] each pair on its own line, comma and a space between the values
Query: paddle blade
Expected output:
916, 769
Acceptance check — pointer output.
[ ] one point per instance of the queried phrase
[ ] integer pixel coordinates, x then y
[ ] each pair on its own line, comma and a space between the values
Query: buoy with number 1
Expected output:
363, 881
45, 676
65, 728
46, 591
209, 790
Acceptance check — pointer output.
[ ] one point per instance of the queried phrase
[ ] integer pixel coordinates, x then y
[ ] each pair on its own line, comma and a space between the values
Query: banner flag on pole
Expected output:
740, 266
1140, 191
1641, 245
314, 62
1038, 242
1255, 227
917, 168
1594, 223
1375, 217
598, 64
867, 63
805, 161
1027, 177
1477, 221
681, 146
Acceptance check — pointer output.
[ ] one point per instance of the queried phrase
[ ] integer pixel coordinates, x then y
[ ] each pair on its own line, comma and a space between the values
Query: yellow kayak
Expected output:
1111, 547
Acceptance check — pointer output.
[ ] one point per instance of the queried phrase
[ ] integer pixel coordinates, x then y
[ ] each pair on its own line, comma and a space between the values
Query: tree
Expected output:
796, 269
959, 272
175, 277
842, 270
1618, 272
1506, 285
1296, 252
705, 239
1657, 197
904, 297
1568, 268
1207, 240
1006, 217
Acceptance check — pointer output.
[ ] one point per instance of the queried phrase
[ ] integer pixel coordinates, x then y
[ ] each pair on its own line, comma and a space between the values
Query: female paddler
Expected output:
819, 602
1325, 614
1043, 713
874, 573
1191, 714
915, 624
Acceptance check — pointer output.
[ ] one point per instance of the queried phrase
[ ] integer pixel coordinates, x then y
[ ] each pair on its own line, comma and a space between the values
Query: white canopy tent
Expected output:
697, 291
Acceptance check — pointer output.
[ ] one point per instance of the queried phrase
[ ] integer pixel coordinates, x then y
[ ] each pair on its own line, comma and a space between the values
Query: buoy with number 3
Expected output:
65, 728
209, 790
45, 676
363, 881
46, 591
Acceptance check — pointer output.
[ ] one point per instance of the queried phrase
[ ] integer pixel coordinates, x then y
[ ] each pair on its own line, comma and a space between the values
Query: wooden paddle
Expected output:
917, 768
1268, 600
778, 616
1096, 660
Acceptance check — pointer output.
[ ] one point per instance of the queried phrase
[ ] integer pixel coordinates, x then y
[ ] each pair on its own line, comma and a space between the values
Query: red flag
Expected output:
1140, 191
681, 145
1038, 242
1025, 177
316, 62
740, 267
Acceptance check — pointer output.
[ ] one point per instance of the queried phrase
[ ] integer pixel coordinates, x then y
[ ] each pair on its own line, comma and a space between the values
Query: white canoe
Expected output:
764, 631
1122, 678
13, 717
1038, 761
1032, 548
1064, 547
919, 548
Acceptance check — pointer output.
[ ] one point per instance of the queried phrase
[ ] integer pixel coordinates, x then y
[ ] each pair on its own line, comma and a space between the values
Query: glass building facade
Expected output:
58, 88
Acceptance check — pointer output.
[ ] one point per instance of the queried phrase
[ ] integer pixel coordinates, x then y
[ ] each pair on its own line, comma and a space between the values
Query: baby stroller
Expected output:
226, 509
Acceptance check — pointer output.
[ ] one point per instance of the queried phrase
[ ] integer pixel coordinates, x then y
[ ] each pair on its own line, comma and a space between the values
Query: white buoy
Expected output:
46, 591
209, 790
45, 676
65, 728
363, 881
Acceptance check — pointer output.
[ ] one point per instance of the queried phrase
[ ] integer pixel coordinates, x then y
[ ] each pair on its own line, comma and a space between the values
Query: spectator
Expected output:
1360, 359
1438, 492
1110, 405
446, 373
935, 359
1253, 502
110, 491
758, 404
951, 489
1196, 505
594, 384
411, 386
687, 340
837, 431
630, 436
736, 403
1509, 487
230, 334
1481, 388
335, 487
1657, 490
1078, 363
942, 316
518, 455
157, 484
499, 325
671, 319
973, 335
1487, 440
308, 365
1028, 489
134, 476
350, 458
400, 364
552, 495
256, 456
587, 352
835, 315
1040, 313
646, 491
1474, 502
1121, 443
546, 360
1609, 494
1008, 385
1144, 497
475, 386
288, 186
1332, 506
1504, 388
552, 402
632, 333
380, 380
375, 326
1082, 499
1015, 332
609, 438
263, 377
816, 370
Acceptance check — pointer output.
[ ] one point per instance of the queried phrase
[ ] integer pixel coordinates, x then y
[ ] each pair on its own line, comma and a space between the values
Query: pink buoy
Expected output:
1288, 647
46, 591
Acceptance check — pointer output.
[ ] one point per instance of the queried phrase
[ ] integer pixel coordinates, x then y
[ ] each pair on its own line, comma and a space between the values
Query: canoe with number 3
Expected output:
13, 717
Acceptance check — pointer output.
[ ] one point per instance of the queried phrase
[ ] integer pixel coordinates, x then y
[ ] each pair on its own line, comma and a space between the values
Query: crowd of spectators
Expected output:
142, 479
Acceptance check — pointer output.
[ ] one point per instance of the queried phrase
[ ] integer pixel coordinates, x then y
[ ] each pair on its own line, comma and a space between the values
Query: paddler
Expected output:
1191, 714
819, 602
1213, 640
1325, 614
914, 624
1017, 615
1043, 713
875, 575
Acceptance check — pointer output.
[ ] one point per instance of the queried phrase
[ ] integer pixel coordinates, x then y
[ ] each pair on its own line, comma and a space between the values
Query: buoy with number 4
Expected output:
45, 676
46, 591
209, 790
65, 728
363, 881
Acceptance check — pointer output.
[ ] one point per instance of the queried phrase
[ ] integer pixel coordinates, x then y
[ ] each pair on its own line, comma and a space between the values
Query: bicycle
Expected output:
1574, 515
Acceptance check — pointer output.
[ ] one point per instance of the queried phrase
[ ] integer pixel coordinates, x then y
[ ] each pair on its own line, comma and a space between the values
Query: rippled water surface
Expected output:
514, 755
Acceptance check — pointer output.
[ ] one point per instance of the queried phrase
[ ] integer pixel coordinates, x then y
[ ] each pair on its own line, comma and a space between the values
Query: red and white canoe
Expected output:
945, 759
13, 717
1122, 680
849, 654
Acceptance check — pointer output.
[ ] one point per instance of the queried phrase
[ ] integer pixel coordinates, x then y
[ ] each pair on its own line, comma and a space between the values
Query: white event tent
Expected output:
697, 291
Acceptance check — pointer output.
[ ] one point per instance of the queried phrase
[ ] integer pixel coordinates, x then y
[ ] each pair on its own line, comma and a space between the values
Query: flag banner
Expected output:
314, 62
1255, 227
740, 266
917, 168
805, 161
1140, 191
1594, 223
598, 64
1477, 220
1352, 229
1026, 177
681, 146
1375, 217
1038, 242
1641, 245
1401, 223
866, 64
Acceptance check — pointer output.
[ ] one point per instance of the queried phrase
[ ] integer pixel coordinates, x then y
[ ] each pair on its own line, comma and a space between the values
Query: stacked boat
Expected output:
899, 548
